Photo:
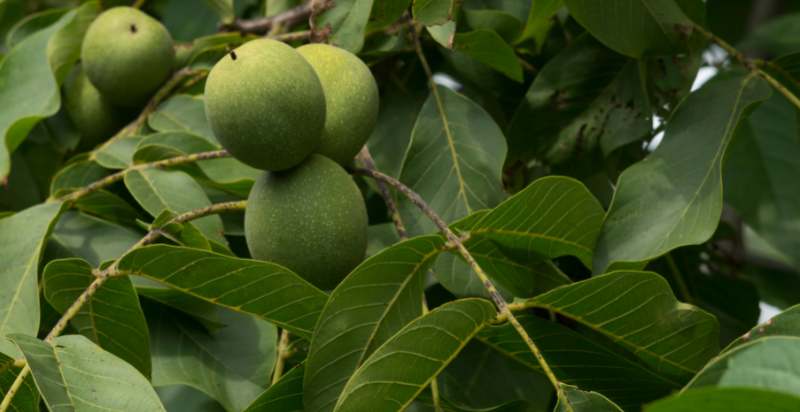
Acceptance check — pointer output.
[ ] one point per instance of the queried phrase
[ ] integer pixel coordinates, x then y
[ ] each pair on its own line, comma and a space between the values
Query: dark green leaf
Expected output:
111, 318
284, 396
577, 400
727, 400
674, 196
401, 368
489, 48
434, 12
348, 21
377, 299
261, 288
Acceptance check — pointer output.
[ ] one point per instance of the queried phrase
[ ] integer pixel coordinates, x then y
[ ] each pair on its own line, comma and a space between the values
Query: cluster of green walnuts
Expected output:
298, 114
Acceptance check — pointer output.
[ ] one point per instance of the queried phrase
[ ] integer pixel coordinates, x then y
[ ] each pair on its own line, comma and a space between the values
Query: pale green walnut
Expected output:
351, 97
93, 115
311, 219
127, 55
265, 104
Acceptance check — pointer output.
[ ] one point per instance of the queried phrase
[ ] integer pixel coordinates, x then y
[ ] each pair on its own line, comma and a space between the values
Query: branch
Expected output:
190, 75
116, 177
753, 65
263, 25
283, 354
455, 242
100, 278
367, 162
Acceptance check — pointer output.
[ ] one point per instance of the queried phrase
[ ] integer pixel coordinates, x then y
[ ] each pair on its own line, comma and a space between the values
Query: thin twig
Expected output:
455, 242
283, 354
263, 25
753, 65
113, 178
102, 276
292, 36
368, 162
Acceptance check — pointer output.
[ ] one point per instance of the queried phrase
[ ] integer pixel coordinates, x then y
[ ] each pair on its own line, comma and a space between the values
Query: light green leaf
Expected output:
374, 301
634, 27
727, 400
761, 172
182, 113
348, 22
173, 190
22, 238
284, 396
454, 160
638, 312
30, 75
264, 289
111, 318
581, 359
673, 197
118, 153
92, 239
231, 365
27, 397
577, 400
74, 374
401, 368
434, 12
770, 363
489, 48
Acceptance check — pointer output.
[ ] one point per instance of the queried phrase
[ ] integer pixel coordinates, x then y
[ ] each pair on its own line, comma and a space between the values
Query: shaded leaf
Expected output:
454, 160
111, 318
727, 400
30, 75
378, 298
69, 372
540, 17
27, 397
22, 239
673, 197
231, 364
488, 47
401, 368
347, 20
182, 113
92, 239
284, 396
786, 323
433, 12
264, 289
75, 176
577, 400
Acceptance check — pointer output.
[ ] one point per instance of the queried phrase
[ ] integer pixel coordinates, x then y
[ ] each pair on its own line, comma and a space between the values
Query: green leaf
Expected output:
264, 289
401, 368
348, 21
634, 27
108, 206
488, 47
581, 359
73, 374
378, 298
727, 400
22, 238
76, 175
27, 397
231, 365
540, 19
223, 8
637, 311
182, 113
92, 239
111, 318
185, 398
433, 12
30, 75
581, 401
786, 323
554, 216
33, 23
284, 396
585, 96
770, 363
117, 153
673, 197
454, 160
159, 190
761, 172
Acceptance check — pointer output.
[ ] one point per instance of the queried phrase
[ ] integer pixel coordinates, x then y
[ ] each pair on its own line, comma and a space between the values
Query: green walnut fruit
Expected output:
127, 55
311, 219
351, 97
265, 104
93, 115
